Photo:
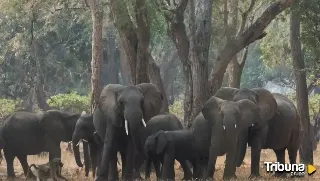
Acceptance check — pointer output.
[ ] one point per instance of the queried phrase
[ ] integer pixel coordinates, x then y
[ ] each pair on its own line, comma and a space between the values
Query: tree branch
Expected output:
251, 34
244, 58
245, 15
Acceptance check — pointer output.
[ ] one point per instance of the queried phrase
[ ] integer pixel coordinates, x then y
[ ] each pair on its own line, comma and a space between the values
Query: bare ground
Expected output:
72, 172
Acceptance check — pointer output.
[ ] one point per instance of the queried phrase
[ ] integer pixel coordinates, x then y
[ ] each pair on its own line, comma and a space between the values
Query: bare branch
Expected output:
225, 17
244, 57
245, 15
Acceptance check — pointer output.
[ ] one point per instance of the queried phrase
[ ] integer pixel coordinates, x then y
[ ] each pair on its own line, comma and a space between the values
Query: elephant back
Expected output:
59, 125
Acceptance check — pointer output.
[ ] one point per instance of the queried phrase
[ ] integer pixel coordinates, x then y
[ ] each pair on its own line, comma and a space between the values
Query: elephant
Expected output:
171, 145
227, 120
29, 133
165, 122
125, 109
278, 117
85, 131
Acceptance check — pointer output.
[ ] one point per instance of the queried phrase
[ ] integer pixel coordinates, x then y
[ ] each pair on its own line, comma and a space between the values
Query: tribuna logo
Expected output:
293, 169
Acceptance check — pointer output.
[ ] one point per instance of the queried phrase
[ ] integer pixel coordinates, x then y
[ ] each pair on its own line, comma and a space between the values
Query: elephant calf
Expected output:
166, 122
171, 145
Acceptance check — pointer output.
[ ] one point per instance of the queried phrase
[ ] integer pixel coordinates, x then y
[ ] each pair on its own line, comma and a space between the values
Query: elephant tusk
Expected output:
70, 142
252, 125
224, 128
78, 143
95, 132
235, 125
126, 126
85, 140
144, 123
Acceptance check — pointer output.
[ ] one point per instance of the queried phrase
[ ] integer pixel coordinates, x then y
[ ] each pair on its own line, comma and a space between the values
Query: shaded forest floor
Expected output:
72, 172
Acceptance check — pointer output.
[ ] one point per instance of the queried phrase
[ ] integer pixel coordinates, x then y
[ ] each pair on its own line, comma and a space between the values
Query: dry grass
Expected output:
73, 172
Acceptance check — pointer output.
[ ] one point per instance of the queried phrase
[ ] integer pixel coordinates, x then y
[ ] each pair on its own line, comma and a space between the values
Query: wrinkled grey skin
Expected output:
27, 133
169, 146
85, 131
314, 136
165, 122
227, 120
276, 112
118, 103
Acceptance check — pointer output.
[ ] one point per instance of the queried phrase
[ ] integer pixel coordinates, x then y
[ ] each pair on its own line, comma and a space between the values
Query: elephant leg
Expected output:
256, 145
99, 156
139, 161
230, 166
147, 167
130, 159
113, 171
10, 169
186, 170
108, 146
94, 158
293, 155
168, 167
157, 167
123, 160
281, 159
54, 152
24, 163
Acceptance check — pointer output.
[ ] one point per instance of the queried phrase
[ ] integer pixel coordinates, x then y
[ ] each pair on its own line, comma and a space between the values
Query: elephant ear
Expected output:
59, 124
249, 113
212, 108
108, 104
226, 93
161, 141
266, 103
152, 100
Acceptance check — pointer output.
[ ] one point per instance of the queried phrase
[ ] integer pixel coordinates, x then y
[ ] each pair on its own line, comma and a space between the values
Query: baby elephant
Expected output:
171, 145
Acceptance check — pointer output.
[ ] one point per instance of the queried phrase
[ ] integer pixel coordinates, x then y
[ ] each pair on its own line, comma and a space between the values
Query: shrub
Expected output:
8, 106
177, 109
71, 102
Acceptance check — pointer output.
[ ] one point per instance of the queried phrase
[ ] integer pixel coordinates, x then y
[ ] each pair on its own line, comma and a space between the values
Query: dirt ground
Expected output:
72, 172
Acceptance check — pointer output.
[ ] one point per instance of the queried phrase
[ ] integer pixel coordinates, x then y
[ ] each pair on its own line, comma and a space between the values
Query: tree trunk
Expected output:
234, 73
124, 68
155, 77
200, 31
305, 151
235, 45
97, 51
112, 68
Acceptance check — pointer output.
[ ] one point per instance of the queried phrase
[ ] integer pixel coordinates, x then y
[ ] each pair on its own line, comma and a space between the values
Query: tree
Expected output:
135, 40
193, 49
97, 50
305, 151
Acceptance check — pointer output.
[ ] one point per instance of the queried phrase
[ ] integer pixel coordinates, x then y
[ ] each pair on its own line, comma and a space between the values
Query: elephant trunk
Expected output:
76, 152
241, 146
135, 134
86, 158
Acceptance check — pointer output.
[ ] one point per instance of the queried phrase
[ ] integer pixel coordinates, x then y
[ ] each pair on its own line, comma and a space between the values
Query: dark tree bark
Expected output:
135, 42
235, 69
124, 67
112, 68
305, 151
97, 51
242, 40
155, 77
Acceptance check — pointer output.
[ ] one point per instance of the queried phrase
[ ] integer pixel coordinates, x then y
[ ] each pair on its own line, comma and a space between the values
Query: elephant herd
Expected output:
128, 121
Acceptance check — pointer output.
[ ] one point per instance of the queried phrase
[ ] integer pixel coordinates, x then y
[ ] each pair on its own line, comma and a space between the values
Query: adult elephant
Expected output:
126, 109
28, 133
224, 121
258, 133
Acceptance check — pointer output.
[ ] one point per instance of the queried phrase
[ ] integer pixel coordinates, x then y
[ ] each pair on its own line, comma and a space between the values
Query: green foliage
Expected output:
314, 105
71, 102
177, 108
8, 106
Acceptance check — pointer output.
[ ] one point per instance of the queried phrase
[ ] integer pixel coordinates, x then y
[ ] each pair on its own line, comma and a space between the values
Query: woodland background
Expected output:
59, 54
